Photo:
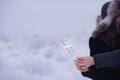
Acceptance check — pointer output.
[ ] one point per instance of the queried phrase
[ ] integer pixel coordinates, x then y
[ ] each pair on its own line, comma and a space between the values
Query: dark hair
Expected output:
109, 36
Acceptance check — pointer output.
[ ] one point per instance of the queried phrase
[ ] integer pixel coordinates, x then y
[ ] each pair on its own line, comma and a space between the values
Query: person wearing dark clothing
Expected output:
105, 40
97, 46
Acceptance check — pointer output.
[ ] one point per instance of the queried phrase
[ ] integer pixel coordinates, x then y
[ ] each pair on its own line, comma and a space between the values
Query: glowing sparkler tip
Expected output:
68, 47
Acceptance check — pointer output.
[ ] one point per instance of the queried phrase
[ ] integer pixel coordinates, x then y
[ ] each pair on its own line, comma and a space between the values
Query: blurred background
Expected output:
30, 34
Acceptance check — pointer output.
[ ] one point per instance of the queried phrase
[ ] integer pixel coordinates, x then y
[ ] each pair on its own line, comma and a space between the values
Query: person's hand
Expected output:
83, 63
80, 68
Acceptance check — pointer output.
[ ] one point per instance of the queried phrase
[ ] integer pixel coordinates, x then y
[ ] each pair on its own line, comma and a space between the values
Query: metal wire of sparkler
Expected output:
69, 49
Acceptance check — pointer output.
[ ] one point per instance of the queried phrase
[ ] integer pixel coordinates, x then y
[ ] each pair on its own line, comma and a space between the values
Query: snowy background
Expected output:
30, 33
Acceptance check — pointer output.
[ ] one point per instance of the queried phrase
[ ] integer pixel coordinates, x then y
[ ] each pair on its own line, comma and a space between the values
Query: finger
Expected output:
81, 69
80, 58
78, 61
80, 64
78, 67
75, 60
84, 70
84, 67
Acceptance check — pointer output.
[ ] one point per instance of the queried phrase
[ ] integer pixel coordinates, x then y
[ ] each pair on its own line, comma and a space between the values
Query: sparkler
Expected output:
68, 47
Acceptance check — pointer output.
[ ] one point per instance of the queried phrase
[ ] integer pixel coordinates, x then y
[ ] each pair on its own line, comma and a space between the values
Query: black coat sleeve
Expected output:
108, 59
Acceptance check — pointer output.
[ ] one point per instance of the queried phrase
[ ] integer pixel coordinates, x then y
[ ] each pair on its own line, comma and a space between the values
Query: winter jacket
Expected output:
108, 59
99, 72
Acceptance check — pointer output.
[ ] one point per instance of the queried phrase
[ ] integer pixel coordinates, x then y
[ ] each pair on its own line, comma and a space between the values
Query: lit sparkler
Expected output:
68, 47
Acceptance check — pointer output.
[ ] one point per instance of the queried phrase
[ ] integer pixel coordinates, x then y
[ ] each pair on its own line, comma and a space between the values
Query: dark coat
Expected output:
108, 59
98, 47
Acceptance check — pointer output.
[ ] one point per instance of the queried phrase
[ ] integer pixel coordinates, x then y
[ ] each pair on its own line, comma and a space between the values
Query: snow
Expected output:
30, 33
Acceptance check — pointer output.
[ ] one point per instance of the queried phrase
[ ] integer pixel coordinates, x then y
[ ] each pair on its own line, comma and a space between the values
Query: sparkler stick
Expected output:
68, 48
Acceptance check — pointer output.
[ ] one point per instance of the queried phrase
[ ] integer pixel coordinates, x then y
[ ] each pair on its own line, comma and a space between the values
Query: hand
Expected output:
83, 63
80, 68
86, 61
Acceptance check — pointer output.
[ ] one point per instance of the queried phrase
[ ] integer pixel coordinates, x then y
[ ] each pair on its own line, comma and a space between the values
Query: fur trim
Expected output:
103, 24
